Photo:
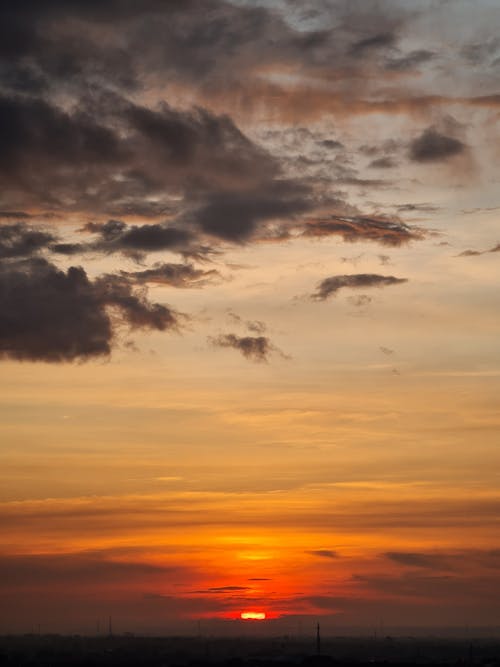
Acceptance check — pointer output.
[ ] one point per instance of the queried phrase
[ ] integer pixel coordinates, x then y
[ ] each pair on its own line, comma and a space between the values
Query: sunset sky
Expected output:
249, 314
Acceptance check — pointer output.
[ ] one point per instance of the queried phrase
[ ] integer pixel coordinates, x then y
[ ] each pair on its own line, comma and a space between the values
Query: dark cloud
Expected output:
175, 275
360, 301
81, 569
256, 326
215, 49
383, 163
481, 209
451, 588
410, 60
481, 53
20, 240
332, 285
359, 228
69, 249
224, 589
14, 215
470, 253
33, 128
331, 144
413, 559
237, 215
112, 155
432, 146
50, 315
476, 253
323, 553
101, 153
117, 236
423, 208
207, 42
203, 147
255, 348
386, 350
385, 40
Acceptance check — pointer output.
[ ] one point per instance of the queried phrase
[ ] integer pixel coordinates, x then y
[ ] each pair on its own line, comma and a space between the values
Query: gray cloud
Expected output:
254, 348
383, 163
358, 228
384, 40
80, 569
256, 326
330, 286
112, 155
21, 240
236, 215
323, 553
50, 315
174, 275
223, 589
423, 560
475, 253
410, 60
117, 236
432, 146
360, 301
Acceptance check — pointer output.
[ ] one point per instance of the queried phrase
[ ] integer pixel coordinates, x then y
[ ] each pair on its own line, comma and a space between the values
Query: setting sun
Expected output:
253, 615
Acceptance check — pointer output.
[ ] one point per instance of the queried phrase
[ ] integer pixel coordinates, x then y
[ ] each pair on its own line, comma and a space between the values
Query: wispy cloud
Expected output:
330, 286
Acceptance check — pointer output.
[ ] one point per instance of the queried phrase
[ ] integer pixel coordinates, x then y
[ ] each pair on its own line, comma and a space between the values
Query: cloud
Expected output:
77, 569
413, 559
411, 208
384, 40
14, 215
360, 301
383, 163
136, 240
20, 240
475, 253
51, 315
256, 326
330, 286
432, 146
479, 53
45, 148
236, 215
112, 156
358, 228
254, 348
470, 253
174, 275
411, 60
224, 589
323, 553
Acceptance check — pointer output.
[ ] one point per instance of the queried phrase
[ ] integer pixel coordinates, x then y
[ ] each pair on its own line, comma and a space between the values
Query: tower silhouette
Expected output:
318, 640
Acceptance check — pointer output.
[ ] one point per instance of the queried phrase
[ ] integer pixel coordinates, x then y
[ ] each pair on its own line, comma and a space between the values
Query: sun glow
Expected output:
253, 615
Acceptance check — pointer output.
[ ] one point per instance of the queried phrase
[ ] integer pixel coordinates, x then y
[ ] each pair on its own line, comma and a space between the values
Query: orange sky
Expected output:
272, 383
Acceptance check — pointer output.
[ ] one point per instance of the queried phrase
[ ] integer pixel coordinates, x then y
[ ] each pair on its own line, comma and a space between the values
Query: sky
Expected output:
249, 315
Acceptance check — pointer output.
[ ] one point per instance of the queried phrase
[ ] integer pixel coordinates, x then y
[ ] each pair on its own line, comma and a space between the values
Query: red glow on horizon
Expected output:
253, 615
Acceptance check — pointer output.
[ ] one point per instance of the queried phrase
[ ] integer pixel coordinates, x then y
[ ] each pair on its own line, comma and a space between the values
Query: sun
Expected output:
253, 615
